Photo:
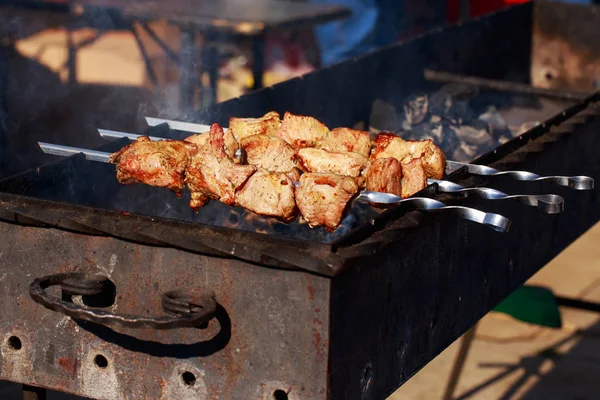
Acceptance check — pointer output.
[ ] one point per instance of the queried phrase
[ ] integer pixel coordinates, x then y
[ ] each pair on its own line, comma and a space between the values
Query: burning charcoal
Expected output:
452, 101
416, 109
473, 135
475, 140
383, 118
426, 130
497, 125
493, 117
464, 152
450, 140
524, 127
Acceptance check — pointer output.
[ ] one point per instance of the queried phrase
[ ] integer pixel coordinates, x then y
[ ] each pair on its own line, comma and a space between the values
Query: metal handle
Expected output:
574, 182
495, 221
548, 203
190, 308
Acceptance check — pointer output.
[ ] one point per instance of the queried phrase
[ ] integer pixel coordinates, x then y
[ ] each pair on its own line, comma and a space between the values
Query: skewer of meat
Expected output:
278, 167
276, 147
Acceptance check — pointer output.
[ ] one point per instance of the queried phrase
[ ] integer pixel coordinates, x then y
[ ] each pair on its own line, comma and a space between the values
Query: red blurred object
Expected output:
479, 7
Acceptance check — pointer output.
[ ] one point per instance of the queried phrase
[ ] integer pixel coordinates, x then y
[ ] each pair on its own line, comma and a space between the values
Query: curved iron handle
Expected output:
573, 182
495, 221
190, 308
548, 203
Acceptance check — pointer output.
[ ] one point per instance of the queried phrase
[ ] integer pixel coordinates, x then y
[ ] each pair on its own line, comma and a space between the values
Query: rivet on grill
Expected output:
280, 395
188, 378
100, 361
15, 343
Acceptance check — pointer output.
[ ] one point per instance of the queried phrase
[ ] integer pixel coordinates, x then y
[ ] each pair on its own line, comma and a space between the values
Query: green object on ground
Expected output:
532, 304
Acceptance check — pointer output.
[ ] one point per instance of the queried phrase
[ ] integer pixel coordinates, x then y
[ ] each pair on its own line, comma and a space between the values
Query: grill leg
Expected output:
33, 393
465, 346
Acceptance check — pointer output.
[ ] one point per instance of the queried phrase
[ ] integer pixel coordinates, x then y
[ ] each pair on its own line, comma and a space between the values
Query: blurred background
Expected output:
62, 77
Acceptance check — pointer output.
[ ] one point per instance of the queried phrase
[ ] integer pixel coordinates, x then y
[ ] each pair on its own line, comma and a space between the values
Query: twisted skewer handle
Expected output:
548, 203
495, 221
573, 182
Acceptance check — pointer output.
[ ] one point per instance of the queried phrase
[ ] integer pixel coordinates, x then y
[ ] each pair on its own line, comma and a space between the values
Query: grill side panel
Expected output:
270, 332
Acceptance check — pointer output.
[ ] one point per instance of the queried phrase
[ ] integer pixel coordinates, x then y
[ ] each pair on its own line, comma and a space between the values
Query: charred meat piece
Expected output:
271, 153
231, 145
342, 140
388, 145
311, 159
384, 175
301, 131
323, 197
268, 124
414, 177
213, 174
270, 194
160, 163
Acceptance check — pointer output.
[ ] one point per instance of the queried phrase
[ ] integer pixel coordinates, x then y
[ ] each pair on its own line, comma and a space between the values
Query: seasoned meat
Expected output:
384, 175
388, 145
268, 124
323, 197
270, 194
341, 140
271, 153
414, 178
160, 163
231, 145
301, 131
213, 174
317, 160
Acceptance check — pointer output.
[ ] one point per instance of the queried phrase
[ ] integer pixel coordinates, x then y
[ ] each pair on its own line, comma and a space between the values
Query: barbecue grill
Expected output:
119, 291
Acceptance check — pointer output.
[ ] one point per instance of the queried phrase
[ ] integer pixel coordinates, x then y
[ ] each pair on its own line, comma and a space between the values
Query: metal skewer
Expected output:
180, 125
66, 151
548, 203
108, 134
494, 221
573, 182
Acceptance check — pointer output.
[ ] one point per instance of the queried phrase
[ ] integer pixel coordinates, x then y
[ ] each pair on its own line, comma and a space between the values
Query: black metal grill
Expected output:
359, 314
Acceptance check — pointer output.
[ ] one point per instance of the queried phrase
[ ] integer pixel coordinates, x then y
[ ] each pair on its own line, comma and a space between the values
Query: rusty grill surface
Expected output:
274, 313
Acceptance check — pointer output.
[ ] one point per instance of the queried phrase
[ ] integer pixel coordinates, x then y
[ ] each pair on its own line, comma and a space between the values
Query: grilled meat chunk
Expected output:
161, 163
311, 159
231, 145
268, 124
213, 174
342, 140
301, 131
414, 177
323, 197
270, 194
388, 145
271, 153
384, 175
